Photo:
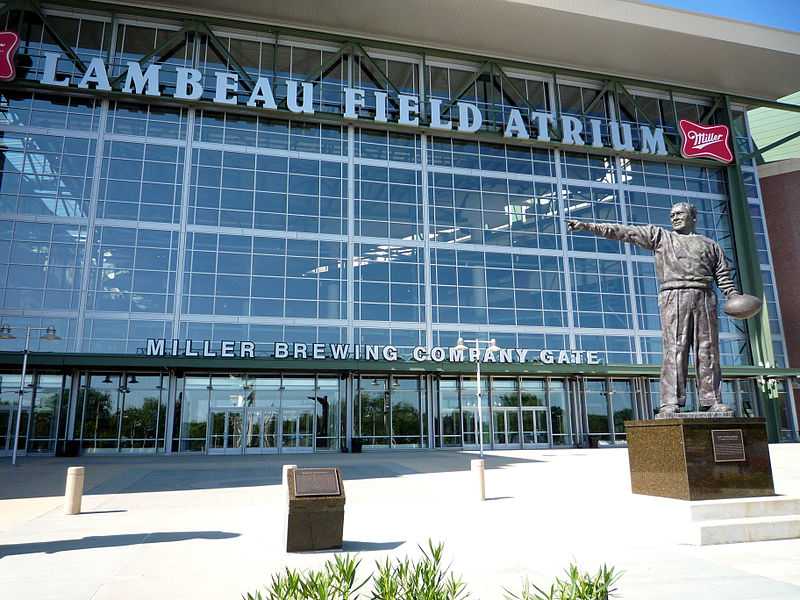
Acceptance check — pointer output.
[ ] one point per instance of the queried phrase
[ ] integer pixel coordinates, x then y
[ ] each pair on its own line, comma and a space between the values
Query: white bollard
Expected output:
74, 491
477, 467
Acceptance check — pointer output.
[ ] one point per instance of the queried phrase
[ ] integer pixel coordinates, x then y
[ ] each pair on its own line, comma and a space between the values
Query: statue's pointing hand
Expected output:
575, 225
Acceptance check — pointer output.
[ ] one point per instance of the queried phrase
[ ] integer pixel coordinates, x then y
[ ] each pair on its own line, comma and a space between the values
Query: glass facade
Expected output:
128, 218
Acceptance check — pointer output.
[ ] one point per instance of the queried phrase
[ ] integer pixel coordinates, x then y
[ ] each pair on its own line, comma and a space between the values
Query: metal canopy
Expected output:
624, 38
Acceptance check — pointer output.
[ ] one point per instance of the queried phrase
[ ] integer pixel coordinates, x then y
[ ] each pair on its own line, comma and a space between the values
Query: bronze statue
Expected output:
687, 266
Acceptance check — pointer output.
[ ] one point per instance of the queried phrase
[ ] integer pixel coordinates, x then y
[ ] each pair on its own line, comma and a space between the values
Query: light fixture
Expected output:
107, 379
50, 334
460, 346
132, 379
5, 333
493, 347
374, 382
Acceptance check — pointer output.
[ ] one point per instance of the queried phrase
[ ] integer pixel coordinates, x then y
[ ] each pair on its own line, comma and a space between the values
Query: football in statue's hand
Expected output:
742, 306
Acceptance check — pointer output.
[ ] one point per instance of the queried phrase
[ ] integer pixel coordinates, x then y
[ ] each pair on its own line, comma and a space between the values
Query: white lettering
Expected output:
281, 350
546, 356
474, 354
506, 355
226, 349
469, 117
371, 352
339, 351
187, 84
96, 74
543, 121
591, 357
380, 107
353, 99
187, 349
436, 116
488, 356
146, 83
318, 351
418, 353
653, 141
456, 355
597, 136
438, 354
521, 353
50, 69
409, 105
155, 347
516, 126
626, 143
175, 343
572, 128
247, 349
390, 353
300, 351
227, 83
563, 357
262, 92
207, 351
577, 356
292, 98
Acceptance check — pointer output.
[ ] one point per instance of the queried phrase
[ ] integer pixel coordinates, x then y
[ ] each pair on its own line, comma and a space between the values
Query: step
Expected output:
733, 531
742, 508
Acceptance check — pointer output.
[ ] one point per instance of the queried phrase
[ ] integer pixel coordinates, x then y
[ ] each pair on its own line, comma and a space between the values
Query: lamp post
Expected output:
5, 334
492, 347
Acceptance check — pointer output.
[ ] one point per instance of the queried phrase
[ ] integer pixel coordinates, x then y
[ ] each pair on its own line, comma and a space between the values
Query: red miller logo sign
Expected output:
9, 41
705, 140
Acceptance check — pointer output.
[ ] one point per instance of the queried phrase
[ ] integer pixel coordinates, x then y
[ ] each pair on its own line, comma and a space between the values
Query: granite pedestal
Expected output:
315, 519
700, 459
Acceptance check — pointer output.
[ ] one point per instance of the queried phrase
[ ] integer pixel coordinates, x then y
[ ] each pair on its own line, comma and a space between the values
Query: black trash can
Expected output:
356, 444
68, 448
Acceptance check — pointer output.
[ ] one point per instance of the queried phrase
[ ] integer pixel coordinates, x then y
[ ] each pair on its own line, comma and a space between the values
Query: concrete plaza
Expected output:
211, 526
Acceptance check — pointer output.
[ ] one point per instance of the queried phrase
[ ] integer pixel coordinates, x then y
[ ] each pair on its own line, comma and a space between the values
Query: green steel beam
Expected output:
76, 60
336, 57
710, 112
472, 80
520, 96
609, 85
225, 55
260, 27
375, 67
638, 107
179, 35
12, 5
758, 152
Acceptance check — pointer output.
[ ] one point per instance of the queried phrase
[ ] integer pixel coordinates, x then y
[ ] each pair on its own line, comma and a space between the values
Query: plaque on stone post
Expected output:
315, 519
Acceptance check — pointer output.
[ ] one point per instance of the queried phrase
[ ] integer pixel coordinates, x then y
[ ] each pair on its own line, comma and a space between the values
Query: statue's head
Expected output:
683, 217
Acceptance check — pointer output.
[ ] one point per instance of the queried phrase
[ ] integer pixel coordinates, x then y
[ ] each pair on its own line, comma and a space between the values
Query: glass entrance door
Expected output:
297, 429
534, 427
505, 430
261, 433
226, 431
8, 424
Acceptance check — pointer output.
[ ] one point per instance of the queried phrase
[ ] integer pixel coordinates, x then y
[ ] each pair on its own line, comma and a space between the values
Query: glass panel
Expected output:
254, 425
217, 441
406, 425
500, 427
597, 409
512, 427
234, 433
541, 427
528, 432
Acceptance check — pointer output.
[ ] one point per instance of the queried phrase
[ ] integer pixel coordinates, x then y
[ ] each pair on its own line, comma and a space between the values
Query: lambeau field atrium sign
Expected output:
368, 352
359, 105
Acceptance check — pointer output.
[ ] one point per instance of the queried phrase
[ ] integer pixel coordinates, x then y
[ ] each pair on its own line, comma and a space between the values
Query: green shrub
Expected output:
336, 581
424, 579
577, 586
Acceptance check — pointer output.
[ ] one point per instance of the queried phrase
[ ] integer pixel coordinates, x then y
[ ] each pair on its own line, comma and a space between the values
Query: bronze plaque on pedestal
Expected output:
316, 482
315, 516
728, 445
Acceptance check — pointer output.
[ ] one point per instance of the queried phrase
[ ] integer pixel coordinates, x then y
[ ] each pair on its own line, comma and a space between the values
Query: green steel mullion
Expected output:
337, 56
13, 5
491, 91
111, 30
423, 112
747, 256
375, 66
650, 121
76, 60
710, 112
178, 35
275, 61
771, 146
248, 81
609, 84
465, 87
555, 130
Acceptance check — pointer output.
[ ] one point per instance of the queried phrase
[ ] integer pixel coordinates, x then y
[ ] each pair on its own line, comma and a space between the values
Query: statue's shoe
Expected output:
719, 407
669, 409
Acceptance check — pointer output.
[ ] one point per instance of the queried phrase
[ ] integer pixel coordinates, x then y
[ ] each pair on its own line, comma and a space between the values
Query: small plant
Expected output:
421, 580
577, 586
336, 581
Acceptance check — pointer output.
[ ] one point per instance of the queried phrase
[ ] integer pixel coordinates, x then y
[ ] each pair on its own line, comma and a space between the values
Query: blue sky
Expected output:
775, 13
